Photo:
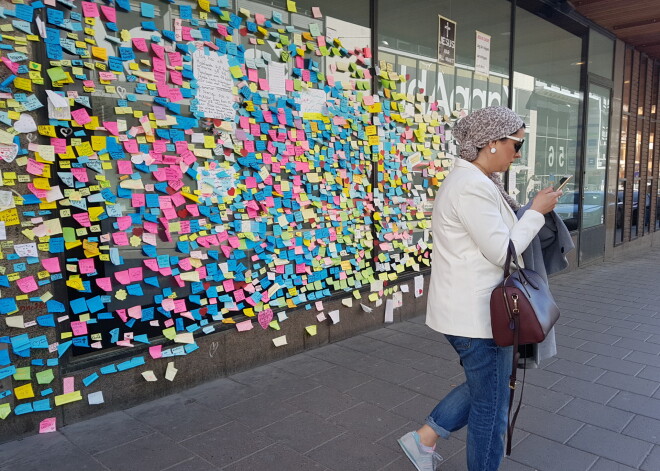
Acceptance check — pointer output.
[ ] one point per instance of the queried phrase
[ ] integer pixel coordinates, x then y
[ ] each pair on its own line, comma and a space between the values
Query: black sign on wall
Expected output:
446, 41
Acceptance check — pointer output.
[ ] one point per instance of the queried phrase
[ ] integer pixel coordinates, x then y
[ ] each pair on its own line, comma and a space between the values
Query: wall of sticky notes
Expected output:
175, 169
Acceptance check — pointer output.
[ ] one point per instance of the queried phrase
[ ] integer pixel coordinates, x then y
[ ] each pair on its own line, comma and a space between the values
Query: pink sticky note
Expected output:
253, 75
140, 44
123, 277
81, 116
124, 167
316, 11
27, 284
80, 174
86, 266
243, 326
51, 265
78, 328
83, 219
104, 283
90, 10
120, 238
110, 13
47, 425
135, 274
135, 312
265, 317
111, 127
156, 351
68, 384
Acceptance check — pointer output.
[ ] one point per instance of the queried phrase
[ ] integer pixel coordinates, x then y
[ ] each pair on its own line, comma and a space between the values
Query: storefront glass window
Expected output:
601, 54
598, 114
546, 93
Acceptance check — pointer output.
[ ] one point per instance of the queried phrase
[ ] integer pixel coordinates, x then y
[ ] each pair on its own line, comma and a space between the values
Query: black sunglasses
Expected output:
519, 142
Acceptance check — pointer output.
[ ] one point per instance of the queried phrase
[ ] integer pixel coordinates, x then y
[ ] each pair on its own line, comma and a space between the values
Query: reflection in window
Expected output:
546, 93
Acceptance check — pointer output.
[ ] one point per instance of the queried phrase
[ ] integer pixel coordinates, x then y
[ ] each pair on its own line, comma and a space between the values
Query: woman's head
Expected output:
490, 128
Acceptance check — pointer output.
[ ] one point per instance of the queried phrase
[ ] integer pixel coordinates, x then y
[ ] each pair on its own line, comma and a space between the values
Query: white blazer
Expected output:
472, 224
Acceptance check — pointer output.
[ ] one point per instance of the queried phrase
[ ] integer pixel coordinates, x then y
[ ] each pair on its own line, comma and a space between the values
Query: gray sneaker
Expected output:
422, 459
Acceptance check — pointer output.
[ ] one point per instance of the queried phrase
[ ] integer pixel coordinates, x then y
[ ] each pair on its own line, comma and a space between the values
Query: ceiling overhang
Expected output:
636, 22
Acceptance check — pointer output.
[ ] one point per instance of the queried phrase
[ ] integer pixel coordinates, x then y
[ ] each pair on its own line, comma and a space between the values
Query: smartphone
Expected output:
564, 182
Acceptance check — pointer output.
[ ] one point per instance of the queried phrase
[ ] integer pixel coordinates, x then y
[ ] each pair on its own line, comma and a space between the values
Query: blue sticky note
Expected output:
8, 305
23, 409
108, 369
7, 371
147, 10
62, 348
90, 379
41, 405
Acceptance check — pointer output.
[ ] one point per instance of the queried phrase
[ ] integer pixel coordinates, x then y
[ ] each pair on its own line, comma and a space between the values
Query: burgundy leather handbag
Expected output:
522, 311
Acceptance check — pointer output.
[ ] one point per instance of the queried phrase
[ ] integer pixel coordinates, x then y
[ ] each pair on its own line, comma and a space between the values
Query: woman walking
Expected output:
473, 221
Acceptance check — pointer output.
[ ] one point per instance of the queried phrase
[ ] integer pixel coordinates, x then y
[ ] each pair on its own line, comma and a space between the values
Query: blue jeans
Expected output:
481, 402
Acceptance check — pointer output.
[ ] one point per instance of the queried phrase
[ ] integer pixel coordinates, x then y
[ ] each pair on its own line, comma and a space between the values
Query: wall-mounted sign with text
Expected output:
482, 54
446, 41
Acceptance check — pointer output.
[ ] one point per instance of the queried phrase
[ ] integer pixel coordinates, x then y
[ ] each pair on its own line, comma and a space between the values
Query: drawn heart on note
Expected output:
121, 91
213, 348
8, 152
66, 132
25, 124
265, 317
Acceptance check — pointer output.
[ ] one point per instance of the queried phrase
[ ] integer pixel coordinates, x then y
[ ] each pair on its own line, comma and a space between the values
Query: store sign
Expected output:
482, 54
446, 41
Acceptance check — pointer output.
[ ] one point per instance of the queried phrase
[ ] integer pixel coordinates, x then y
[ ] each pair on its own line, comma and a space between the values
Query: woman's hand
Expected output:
545, 200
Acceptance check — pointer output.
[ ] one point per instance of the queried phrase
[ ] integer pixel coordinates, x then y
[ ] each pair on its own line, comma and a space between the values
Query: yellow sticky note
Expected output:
68, 398
24, 392
311, 330
99, 53
291, 6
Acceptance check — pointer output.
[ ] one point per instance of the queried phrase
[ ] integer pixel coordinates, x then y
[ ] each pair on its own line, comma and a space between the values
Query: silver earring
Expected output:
493, 150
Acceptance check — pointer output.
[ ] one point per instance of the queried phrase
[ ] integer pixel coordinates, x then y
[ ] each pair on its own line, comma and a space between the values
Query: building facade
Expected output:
189, 189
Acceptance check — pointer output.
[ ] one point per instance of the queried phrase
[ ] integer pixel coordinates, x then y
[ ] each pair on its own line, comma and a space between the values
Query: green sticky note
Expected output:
22, 374
45, 377
314, 29
69, 234
169, 333
56, 74
5, 410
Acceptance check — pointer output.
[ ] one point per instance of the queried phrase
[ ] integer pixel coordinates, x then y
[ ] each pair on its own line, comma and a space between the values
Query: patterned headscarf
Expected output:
482, 126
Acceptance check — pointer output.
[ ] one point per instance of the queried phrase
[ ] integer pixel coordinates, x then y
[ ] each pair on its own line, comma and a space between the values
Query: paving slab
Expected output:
342, 406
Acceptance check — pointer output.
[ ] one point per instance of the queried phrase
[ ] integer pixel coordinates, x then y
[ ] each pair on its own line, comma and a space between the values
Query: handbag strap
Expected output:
511, 420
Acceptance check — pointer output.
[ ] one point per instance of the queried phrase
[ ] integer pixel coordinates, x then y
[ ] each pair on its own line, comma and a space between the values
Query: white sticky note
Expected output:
279, 341
15, 321
334, 315
366, 308
170, 372
419, 285
149, 375
404, 288
95, 398
348, 302
389, 310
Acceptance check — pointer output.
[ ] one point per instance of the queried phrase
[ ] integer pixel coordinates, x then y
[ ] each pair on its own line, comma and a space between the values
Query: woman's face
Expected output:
506, 151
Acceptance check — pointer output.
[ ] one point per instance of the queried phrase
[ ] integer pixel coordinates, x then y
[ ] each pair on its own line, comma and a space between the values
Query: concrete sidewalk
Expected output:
341, 407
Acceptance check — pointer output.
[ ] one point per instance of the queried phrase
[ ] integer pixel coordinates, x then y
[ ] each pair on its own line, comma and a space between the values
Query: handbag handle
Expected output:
511, 254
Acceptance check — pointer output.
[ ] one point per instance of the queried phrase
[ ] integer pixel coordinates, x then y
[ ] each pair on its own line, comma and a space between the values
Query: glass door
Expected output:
592, 236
